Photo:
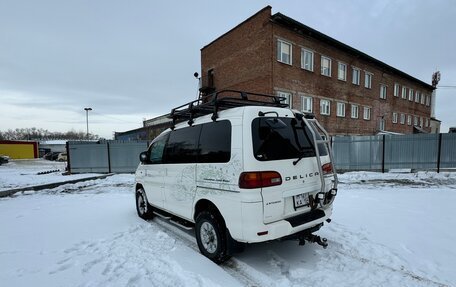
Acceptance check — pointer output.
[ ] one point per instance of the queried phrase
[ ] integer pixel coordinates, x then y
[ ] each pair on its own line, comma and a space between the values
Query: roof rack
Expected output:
222, 100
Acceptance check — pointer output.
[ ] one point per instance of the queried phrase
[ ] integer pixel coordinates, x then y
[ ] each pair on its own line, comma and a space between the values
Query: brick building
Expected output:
348, 91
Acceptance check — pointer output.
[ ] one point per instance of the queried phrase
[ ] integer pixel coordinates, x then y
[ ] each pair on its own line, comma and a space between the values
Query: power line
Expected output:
439, 86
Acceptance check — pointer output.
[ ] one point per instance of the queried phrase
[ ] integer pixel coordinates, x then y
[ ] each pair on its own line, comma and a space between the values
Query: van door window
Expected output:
215, 142
182, 145
156, 150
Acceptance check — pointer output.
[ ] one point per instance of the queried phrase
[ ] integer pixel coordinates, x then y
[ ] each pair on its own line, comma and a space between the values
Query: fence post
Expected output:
67, 146
383, 153
439, 153
109, 157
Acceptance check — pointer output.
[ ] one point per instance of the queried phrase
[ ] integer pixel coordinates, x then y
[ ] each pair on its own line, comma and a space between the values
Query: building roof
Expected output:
17, 142
300, 28
163, 119
53, 142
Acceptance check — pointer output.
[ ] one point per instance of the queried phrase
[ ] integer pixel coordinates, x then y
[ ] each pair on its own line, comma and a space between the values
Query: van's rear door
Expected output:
300, 182
285, 145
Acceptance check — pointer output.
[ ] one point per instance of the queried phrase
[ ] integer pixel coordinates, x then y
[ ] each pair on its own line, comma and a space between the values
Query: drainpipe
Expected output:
434, 92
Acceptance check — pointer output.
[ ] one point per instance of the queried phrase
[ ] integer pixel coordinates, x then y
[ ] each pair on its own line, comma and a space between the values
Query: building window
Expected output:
422, 99
342, 71
288, 98
210, 78
396, 89
325, 66
284, 52
325, 107
307, 103
402, 119
427, 122
367, 80
417, 97
367, 113
410, 95
404, 92
354, 111
415, 120
356, 73
307, 60
341, 109
383, 92
428, 100
381, 124
409, 120
394, 118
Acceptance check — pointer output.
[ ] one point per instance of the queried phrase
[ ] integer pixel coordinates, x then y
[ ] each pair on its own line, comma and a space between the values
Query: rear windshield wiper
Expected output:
302, 154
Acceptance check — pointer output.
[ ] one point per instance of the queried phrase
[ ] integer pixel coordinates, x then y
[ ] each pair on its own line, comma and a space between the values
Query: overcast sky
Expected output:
130, 60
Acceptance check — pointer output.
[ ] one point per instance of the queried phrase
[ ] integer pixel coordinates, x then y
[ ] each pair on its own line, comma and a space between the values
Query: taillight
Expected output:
257, 179
327, 168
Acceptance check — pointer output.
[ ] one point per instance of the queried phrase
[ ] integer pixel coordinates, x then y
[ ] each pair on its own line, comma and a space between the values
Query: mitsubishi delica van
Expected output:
239, 168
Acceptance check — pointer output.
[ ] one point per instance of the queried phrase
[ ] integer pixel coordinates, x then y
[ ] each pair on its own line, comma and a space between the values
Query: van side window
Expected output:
215, 142
156, 150
182, 145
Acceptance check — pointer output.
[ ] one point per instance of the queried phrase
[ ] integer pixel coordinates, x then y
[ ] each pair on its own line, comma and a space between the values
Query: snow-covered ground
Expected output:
23, 173
387, 230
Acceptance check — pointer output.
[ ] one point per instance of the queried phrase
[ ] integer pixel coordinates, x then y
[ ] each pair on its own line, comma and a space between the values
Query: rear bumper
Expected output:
254, 230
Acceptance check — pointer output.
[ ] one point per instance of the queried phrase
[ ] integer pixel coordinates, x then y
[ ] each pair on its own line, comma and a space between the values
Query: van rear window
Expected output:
282, 138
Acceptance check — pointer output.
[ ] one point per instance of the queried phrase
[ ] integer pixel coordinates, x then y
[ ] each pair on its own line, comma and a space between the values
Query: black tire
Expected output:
143, 208
210, 232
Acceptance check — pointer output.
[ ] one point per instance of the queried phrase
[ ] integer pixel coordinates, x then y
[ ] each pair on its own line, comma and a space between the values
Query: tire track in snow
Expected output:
402, 271
136, 257
287, 274
239, 270
352, 252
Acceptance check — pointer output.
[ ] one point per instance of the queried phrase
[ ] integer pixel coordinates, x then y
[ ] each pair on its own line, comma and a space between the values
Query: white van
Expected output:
239, 168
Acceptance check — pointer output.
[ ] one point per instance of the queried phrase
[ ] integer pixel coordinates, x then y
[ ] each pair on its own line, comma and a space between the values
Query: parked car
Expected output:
4, 159
239, 170
53, 155
62, 156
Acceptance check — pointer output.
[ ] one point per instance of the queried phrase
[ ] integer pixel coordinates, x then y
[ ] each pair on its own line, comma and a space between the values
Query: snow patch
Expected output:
394, 229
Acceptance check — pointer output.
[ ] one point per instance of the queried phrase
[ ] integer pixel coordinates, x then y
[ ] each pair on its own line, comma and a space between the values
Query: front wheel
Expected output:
143, 208
211, 237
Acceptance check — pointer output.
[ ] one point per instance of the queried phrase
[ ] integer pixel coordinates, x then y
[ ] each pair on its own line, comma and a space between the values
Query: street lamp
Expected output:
87, 120
196, 75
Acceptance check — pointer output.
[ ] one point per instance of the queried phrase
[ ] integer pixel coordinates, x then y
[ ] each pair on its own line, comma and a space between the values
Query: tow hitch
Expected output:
306, 235
312, 238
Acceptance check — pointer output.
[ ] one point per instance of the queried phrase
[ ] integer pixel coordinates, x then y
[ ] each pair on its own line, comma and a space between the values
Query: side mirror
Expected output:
143, 157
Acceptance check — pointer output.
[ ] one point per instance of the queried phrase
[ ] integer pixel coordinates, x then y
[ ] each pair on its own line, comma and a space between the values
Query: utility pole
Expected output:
87, 120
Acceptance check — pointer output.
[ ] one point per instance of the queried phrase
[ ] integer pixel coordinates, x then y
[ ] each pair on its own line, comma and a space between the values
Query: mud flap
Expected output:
233, 246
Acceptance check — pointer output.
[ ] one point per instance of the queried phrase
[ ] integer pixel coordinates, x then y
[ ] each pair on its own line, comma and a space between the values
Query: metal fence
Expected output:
385, 152
371, 153
104, 156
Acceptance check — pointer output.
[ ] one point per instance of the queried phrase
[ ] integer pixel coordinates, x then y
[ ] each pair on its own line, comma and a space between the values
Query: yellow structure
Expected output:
19, 149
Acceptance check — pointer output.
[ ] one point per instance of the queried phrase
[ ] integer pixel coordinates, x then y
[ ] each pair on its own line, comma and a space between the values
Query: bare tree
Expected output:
42, 134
